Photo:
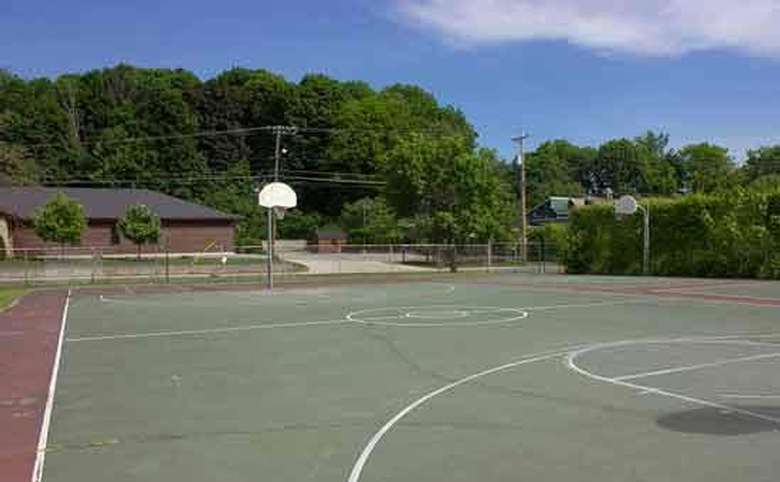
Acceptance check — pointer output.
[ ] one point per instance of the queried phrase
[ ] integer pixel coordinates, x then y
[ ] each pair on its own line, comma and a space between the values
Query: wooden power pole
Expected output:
520, 140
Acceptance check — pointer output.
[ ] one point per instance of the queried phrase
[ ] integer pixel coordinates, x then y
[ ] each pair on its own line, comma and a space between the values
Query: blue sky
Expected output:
584, 70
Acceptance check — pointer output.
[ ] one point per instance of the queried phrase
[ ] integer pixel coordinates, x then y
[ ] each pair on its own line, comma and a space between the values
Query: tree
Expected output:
554, 170
140, 225
461, 191
370, 220
61, 220
634, 166
762, 161
707, 167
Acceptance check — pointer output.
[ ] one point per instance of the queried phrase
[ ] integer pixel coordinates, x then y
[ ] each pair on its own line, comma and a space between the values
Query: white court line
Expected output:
205, 331
362, 459
582, 305
572, 356
358, 316
697, 367
357, 468
43, 436
761, 397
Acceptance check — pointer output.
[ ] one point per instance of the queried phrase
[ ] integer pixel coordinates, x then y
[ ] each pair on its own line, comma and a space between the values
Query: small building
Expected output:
329, 239
558, 209
186, 227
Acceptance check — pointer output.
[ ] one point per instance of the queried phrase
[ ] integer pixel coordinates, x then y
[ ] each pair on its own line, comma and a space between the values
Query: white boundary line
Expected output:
357, 468
205, 331
688, 368
43, 436
572, 356
570, 352
749, 397
584, 305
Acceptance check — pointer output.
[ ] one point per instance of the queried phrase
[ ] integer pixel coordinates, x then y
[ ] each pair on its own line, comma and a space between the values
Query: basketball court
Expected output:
470, 377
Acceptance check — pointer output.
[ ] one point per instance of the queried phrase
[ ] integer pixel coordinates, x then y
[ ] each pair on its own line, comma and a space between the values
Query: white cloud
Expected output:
644, 27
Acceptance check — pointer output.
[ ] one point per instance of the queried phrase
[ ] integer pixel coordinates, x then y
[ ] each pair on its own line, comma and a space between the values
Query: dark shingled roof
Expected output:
106, 204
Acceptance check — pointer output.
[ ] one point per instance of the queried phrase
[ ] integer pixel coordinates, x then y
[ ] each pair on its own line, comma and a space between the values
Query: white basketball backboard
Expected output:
277, 195
626, 205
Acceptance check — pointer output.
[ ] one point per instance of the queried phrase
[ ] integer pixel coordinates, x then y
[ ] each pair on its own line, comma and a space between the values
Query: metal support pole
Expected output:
489, 254
646, 249
167, 263
269, 250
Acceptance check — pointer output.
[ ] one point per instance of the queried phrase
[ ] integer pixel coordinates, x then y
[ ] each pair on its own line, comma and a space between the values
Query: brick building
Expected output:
186, 227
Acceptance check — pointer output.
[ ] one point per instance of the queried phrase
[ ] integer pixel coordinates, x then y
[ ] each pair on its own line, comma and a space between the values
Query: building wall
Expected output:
181, 236
329, 245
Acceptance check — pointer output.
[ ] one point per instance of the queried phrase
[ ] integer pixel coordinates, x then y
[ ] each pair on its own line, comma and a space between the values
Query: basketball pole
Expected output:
646, 248
270, 250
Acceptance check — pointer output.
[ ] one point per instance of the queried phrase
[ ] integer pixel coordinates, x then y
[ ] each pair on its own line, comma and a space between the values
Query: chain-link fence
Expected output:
156, 264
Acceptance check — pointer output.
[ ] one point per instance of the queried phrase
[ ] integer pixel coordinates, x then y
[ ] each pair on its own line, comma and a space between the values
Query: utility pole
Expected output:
278, 131
520, 140
277, 151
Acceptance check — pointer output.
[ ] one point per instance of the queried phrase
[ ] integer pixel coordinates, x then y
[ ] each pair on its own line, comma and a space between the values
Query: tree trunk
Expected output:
138, 246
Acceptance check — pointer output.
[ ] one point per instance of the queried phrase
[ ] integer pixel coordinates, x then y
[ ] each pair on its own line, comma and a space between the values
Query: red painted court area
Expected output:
29, 335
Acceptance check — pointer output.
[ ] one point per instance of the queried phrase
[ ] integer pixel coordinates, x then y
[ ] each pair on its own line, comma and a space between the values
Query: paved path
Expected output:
347, 263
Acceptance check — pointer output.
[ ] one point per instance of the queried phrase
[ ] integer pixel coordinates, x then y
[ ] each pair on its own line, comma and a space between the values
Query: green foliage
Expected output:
370, 220
16, 165
762, 162
61, 220
140, 225
298, 225
557, 168
707, 167
556, 234
463, 192
729, 234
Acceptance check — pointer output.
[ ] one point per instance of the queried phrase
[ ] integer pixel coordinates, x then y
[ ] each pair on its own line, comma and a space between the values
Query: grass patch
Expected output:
8, 295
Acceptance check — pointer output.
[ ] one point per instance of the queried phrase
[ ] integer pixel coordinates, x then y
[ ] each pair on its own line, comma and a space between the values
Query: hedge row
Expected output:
734, 234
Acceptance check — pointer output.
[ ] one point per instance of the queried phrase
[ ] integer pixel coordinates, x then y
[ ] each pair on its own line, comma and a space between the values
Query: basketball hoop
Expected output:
279, 212
277, 198
626, 206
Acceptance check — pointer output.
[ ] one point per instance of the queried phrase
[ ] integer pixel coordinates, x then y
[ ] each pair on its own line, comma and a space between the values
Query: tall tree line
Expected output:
415, 162
167, 130
644, 165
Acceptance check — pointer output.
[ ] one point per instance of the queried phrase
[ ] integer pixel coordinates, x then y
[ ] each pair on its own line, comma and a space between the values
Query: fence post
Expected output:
26, 267
94, 266
489, 254
167, 264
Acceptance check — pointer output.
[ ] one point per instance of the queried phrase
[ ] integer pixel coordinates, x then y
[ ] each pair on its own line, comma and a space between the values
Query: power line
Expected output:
244, 131
332, 180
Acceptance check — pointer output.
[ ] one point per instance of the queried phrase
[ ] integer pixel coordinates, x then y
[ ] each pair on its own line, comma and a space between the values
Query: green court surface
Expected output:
501, 377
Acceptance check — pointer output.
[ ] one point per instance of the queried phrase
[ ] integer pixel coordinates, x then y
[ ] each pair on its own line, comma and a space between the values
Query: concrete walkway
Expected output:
348, 263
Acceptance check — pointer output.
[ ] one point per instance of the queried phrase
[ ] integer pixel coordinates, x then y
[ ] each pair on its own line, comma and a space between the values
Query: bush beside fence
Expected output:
735, 234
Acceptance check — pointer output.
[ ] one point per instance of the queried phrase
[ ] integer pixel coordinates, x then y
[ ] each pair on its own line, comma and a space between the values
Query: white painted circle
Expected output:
404, 316
437, 314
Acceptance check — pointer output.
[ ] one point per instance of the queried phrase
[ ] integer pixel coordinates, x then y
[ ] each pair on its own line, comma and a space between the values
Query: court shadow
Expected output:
716, 421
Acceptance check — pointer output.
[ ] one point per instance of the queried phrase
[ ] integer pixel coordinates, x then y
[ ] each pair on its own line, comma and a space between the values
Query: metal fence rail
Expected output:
156, 264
